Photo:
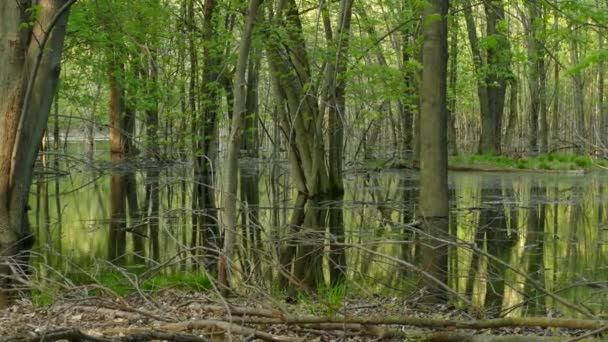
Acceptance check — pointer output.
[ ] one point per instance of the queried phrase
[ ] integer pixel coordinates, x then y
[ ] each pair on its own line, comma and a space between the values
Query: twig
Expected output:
589, 334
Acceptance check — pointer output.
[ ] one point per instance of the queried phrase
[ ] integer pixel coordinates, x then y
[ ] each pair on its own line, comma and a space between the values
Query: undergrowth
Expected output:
540, 162
119, 281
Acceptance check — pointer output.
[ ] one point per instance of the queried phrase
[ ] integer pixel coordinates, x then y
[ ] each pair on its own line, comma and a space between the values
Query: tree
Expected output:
433, 198
492, 69
31, 54
234, 145
535, 27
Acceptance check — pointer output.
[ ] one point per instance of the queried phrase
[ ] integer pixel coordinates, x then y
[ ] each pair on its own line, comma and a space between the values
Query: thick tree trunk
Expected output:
433, 200
302, 123
30, 72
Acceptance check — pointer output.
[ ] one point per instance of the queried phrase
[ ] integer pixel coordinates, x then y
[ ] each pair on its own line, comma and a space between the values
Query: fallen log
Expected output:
523, 322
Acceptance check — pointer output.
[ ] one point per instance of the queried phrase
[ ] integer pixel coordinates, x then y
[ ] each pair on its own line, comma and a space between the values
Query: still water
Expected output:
546, 229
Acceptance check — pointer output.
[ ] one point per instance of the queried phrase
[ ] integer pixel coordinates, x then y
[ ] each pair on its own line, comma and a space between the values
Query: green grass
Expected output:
121, 282
328, 300
540, 162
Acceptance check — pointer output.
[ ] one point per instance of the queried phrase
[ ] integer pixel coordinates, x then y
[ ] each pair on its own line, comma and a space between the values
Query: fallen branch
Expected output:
241, 311
124, 312
78, 335
228, 327
542, 322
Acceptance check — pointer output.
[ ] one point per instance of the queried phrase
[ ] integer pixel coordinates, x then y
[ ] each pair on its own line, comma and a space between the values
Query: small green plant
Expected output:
334, 296
44, 297
544, 166
522, 164
583, 162
562, 158
122, 281
183, 281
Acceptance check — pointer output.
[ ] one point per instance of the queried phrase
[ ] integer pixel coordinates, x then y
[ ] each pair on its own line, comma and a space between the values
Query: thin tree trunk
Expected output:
232, 156
578, 95
453, 86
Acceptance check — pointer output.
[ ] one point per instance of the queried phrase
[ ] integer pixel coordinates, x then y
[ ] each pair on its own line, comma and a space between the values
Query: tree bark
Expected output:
232, 156
30, 72
433, 200
492, 73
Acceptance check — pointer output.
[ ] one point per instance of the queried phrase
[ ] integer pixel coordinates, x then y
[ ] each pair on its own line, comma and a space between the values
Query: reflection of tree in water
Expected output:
492, 230
117, 239
123, 196
534, 249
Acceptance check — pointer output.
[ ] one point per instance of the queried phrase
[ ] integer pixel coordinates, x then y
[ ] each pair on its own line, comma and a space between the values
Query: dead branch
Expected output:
241, 311
542, 322
228, 327
78, 335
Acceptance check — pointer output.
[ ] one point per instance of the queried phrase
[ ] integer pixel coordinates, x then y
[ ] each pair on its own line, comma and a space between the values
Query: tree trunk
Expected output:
580, 132
337, 114
302, 123
535, 26
232, 155
117, 237
603, 121
492, 73
453, 86
433, 200
30, 72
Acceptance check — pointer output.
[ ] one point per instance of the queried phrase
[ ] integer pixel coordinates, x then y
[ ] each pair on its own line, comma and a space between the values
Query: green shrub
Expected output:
544, 166
522, 164
583, 162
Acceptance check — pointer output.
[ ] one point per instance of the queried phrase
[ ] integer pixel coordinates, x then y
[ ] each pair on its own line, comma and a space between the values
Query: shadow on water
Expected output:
548, 227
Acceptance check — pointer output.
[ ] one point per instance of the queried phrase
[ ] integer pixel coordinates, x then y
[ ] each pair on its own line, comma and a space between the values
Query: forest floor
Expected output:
172, 315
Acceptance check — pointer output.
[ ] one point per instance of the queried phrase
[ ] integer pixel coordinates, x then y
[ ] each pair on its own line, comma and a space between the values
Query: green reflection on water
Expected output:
551, 227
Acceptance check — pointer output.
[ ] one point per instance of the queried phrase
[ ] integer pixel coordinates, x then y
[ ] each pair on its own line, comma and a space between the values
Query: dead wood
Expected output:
77, 335
228, 327
241, 311
542, 322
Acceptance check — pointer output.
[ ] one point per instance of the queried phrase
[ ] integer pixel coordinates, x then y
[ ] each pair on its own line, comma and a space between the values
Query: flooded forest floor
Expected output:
172, 315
